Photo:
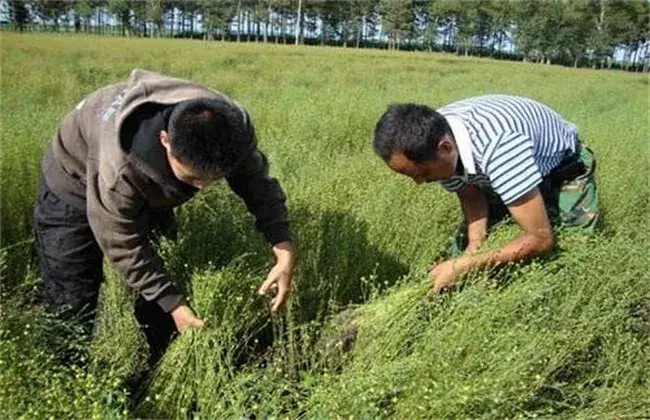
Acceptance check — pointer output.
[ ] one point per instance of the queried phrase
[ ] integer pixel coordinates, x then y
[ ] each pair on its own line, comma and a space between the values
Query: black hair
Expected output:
213, 136
412, 129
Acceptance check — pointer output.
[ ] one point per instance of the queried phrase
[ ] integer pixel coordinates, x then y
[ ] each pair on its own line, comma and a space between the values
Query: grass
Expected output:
567, 336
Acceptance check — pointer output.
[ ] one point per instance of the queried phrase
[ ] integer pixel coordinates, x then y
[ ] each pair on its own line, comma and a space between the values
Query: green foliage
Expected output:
535, 340
568, 335
41, 373
593, 33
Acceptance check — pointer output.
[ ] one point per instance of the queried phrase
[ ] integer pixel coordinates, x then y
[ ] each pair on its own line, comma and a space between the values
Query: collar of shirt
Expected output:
463, 142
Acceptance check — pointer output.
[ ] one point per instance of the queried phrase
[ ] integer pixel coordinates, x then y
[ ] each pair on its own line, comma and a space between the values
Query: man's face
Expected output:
440, 168
188, 175
184, 172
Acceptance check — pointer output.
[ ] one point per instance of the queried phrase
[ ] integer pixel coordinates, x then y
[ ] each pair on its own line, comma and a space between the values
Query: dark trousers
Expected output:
71, 268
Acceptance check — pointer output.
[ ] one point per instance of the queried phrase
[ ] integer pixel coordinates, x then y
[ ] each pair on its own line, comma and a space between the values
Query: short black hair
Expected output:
213, 136
412, 129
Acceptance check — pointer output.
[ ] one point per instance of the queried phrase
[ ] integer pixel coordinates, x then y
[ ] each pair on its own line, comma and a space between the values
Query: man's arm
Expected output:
475, 209
536, 238
119, 225
265, 199
263, 196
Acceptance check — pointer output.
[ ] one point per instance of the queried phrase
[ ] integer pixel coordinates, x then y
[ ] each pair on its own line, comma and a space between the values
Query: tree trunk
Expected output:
249, 26
635, 55
359, 32
171, 23
269, 18
283, 27
298, 22
239, 21
275, 32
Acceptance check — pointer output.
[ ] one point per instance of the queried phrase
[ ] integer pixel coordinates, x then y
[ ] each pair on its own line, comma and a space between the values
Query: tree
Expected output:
285, 10
298, 23
264, 12
332, 16
309, 18
569, 32
51, 10
482, 23
238, 14
424, 29
459, 19
527, 26
83, 10
217, 17
627, 22
356, 16
366, 18
576, 27
156, 14
122, 10
548, 44
19, 14
140, 17
502, 13
396, 19
188, 10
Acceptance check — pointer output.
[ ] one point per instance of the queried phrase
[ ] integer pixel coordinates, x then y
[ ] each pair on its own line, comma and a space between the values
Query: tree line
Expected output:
578, 33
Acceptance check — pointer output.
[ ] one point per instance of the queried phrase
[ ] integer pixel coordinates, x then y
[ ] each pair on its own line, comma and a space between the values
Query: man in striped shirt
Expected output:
500, 154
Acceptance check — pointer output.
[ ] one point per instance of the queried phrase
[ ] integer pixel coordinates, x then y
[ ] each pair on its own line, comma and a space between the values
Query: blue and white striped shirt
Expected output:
507, 144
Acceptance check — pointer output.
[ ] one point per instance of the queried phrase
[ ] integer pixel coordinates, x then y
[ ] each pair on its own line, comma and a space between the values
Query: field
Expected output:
565, 336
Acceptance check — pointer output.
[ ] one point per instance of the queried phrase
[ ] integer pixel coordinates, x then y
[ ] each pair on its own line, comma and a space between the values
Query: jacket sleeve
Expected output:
263, 197
119, 223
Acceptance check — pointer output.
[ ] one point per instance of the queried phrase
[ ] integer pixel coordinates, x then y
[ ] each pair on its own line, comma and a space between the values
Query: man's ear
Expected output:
445, 146
164, 140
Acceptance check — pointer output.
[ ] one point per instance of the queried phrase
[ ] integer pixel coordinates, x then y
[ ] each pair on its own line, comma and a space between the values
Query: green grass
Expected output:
566, 336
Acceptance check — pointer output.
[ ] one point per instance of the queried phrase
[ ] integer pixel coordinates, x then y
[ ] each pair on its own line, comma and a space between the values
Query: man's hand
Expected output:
536, 239
184, 318
280, 275
444, 275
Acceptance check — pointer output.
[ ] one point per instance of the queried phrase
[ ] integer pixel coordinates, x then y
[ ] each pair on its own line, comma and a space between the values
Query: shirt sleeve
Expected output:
511, 168
119, 224
263, 197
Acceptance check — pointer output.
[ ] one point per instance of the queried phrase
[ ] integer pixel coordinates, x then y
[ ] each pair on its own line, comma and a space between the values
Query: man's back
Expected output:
514, 142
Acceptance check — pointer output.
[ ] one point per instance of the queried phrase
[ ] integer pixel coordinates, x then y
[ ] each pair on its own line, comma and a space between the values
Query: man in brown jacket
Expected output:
120, 162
